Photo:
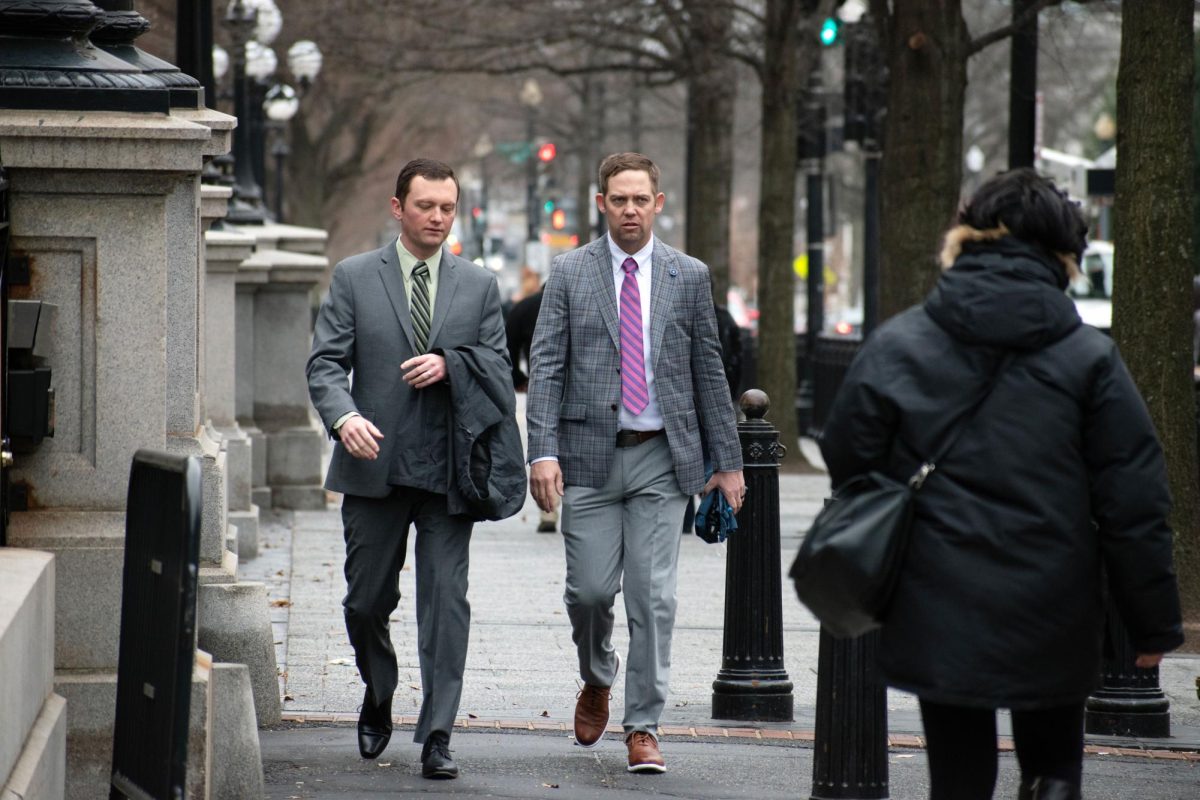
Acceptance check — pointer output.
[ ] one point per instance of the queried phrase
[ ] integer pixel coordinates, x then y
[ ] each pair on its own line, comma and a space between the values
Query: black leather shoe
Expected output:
436, 761
374, 727
1055, 789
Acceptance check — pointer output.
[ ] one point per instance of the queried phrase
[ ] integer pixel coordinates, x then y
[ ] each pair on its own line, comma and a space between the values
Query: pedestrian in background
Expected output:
625, 380
1056, 481
519, 327
388, 322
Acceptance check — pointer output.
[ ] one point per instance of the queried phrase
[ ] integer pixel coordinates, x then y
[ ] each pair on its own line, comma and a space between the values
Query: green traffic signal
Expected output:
548, 207
829, 31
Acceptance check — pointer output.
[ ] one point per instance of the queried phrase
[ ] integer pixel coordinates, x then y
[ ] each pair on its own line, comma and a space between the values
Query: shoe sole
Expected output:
603, 730
653, 769
439, 775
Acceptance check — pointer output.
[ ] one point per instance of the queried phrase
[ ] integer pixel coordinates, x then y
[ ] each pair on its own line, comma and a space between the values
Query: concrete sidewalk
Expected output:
521, 667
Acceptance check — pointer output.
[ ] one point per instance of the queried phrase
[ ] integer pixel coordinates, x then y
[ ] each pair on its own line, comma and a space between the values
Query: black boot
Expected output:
436, 761
1054, 789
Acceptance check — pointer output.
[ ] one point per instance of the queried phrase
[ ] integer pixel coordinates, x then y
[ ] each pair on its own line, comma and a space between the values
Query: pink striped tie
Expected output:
634, 393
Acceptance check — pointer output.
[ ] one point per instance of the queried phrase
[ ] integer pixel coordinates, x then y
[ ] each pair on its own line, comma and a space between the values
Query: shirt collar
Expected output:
642, 257
408, 260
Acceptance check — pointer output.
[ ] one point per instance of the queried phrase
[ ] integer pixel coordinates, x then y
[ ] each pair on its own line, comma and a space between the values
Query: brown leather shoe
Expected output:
591, 715
591, 712
644, 755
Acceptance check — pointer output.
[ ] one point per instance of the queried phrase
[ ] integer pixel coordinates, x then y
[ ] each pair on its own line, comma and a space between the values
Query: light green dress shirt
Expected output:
408, 261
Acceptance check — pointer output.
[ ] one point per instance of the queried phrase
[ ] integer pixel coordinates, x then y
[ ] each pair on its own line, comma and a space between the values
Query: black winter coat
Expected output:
1000, 600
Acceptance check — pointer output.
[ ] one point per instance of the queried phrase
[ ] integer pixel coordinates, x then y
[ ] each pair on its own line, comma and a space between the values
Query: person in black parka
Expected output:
1057, 480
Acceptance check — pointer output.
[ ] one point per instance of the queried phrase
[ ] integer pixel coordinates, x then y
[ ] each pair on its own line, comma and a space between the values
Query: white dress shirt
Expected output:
651, 417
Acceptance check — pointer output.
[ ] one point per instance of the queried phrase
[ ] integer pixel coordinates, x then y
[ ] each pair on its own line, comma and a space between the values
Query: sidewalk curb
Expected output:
899, 741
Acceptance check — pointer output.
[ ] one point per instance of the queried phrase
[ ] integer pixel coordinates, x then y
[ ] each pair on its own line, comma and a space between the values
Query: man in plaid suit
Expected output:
626, 396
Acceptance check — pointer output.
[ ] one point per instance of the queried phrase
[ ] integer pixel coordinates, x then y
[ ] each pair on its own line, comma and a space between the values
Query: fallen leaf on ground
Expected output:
288, 698
472, 716
341, 662
545, 713
385, 763
282, 603
414, 687
549, 785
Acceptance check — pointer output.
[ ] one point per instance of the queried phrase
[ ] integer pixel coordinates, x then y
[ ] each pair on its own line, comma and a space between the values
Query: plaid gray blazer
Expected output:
575, 383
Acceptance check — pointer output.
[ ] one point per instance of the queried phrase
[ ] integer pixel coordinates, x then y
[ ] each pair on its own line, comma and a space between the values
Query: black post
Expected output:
850, 757
812, 157
752, 683
193, 44
871, 156
1129, 701
532, 210
258, 131
280, 152
1022, 88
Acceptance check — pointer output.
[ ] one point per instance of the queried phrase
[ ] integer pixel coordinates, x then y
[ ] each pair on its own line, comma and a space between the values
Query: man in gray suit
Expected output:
384, 324
626, 395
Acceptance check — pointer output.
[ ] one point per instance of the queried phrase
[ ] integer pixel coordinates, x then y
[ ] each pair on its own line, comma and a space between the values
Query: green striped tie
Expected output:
420, 305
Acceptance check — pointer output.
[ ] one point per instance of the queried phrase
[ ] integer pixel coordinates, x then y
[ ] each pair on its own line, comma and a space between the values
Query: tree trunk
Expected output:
712, 90
776, 220
1152, 295
922, 157
586, 176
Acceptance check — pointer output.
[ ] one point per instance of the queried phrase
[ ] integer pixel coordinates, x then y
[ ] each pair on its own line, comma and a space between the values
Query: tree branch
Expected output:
1005, 31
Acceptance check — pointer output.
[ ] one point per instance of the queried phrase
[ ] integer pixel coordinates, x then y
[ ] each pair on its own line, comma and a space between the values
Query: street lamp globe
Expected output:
281, 103
975, 159
260, 60
304, 60
483, 146
268, 20
220, 61
531, 94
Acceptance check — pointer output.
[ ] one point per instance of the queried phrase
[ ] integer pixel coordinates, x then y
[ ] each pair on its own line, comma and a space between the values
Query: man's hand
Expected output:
731, 485
1148, 660
424, 370
358, 436
546, 484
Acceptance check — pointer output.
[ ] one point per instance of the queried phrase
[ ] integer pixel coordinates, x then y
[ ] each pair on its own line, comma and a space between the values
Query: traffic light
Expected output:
558, 219
547, 152
830, 31
548, 207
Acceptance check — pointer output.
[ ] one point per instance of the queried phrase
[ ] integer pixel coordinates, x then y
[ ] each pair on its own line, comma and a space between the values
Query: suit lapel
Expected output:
604, 287
447, 284
664, 276
393, 284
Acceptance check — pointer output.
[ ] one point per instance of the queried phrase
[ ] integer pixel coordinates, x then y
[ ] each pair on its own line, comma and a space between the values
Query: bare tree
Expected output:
1152, 299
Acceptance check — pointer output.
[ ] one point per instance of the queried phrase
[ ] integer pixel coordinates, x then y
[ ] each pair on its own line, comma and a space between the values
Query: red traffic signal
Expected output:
547, 152
558, 219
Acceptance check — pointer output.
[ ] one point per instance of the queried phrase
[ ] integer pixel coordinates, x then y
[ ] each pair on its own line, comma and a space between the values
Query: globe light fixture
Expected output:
281, 103
304, 60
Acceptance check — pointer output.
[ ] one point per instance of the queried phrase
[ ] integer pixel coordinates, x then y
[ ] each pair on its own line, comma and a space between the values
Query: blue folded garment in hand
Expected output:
715, 519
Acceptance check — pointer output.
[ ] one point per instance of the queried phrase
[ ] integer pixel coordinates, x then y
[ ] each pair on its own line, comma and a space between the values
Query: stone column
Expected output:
225, 250
105, 206
281, 339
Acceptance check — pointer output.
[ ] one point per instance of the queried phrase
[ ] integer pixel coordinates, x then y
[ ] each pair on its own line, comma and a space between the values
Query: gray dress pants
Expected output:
624, 536
376, 533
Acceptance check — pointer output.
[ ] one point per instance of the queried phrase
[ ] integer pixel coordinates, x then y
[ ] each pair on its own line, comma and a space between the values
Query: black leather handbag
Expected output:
852, 555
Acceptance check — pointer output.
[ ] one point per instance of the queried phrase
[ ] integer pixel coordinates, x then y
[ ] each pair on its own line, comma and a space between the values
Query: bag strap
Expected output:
929, 465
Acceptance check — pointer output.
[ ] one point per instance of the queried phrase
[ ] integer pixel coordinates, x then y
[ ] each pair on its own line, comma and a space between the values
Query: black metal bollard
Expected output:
1129, 701
752, 683
850, 756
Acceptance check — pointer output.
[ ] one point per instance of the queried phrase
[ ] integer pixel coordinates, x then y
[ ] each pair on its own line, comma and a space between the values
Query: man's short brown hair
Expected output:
622, 162
428, 169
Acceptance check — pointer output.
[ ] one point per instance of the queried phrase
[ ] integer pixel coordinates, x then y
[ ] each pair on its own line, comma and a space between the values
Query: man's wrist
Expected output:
543, 458
342, 420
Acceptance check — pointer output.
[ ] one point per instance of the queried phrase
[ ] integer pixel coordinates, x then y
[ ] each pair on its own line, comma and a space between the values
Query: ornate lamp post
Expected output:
280, 106
245, 208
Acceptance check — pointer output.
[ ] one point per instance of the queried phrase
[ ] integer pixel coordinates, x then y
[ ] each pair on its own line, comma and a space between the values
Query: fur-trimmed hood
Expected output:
1004, 292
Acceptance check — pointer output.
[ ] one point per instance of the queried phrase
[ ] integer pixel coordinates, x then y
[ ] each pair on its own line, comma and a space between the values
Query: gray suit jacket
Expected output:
575, 382
363, 333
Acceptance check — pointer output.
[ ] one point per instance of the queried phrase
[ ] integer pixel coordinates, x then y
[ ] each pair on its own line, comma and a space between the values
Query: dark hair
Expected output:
428, 169
1032, 208
622, 162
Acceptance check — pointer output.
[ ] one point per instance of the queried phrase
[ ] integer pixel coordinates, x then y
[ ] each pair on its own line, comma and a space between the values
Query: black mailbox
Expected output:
30, 395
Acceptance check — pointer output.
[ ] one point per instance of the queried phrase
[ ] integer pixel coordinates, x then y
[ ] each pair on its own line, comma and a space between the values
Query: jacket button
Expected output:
613, 407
